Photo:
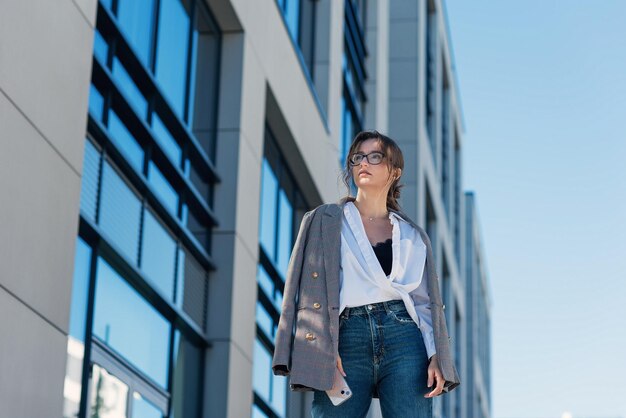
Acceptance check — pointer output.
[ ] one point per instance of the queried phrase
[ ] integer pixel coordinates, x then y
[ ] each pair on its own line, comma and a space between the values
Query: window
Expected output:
77, 330
126, 322
300, 18
158, 255
170, 261
282, 208
138, 312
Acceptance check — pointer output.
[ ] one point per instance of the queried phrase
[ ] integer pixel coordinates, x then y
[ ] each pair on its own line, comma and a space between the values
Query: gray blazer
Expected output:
309, 358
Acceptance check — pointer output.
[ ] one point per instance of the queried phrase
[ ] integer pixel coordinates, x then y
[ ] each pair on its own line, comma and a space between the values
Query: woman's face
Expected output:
371, 176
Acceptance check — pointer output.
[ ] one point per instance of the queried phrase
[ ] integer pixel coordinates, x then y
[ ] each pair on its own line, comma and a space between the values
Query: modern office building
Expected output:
477, 367
156, 158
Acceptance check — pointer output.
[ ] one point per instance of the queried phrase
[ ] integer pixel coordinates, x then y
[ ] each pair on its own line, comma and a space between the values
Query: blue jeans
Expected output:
383, 355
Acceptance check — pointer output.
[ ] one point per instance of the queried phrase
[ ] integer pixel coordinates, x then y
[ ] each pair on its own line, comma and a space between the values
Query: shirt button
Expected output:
316, 305
309, 336
444, 306
314, 274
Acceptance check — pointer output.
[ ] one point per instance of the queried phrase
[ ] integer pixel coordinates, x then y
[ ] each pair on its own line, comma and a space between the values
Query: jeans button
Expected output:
369, 307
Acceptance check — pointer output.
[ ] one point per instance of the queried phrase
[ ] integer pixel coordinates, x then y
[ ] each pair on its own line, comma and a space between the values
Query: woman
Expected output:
362, 290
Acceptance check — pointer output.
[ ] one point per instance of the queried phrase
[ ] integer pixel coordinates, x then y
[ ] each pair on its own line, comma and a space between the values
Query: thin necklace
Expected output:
371, 218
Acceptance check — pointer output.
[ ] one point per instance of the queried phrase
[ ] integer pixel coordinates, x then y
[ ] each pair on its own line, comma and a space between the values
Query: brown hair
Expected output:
394, 159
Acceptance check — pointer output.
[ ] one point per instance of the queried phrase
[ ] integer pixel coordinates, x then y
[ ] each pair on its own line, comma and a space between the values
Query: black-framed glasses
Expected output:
374, 158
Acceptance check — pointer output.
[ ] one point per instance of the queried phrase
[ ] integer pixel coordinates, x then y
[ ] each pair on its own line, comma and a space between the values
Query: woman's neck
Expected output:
371, 206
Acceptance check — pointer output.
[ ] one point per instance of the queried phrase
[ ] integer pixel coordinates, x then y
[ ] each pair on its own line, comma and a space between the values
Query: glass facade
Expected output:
300, 17
431, 74
282, 208
354, 75
457, 194
138, 314
445, 148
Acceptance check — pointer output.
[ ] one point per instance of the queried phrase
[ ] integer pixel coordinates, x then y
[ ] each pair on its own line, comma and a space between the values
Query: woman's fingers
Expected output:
435, 376
340, 367
437, 390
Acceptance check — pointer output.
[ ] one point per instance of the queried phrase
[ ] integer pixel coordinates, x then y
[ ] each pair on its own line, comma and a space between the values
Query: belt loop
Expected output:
346, 313
387, 308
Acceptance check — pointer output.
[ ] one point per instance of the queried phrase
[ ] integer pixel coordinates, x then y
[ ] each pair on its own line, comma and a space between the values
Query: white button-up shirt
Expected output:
362, 279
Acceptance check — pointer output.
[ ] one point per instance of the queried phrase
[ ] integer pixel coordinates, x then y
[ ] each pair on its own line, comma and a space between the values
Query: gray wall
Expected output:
45, 66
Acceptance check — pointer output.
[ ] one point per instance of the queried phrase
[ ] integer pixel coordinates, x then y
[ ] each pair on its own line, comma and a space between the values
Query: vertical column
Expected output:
232, 291
405, 75
377, 65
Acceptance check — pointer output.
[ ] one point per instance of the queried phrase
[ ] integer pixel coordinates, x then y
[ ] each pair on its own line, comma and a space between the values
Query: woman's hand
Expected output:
340, 367
434, 373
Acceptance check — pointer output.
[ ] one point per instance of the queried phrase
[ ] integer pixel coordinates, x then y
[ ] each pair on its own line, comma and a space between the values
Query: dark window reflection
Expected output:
125, 142
187, 373
203, 73
158, 255
199, 230
163, 189
192, 287
100, 48
127, 323
129, 89
163, 136
80, 287
200, 183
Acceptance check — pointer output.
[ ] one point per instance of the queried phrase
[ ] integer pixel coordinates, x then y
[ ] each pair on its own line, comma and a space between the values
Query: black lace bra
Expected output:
383, 253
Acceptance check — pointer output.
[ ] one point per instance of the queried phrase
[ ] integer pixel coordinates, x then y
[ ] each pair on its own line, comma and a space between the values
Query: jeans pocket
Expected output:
402, 316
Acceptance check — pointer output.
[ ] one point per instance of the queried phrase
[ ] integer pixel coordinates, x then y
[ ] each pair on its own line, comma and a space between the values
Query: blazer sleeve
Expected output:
283, 341
440, 329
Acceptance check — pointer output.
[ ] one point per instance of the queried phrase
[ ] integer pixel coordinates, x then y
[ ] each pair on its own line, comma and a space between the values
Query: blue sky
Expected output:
543, 92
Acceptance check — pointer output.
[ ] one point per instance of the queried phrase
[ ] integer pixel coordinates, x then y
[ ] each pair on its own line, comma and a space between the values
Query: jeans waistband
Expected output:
386, 306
